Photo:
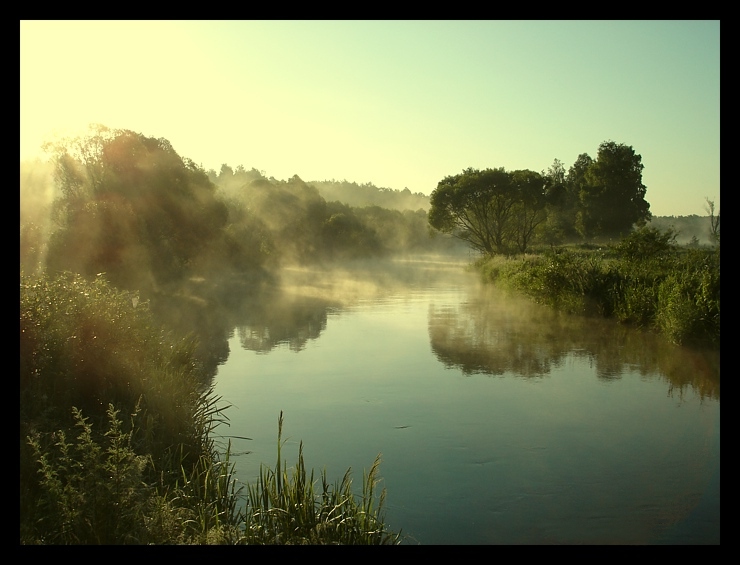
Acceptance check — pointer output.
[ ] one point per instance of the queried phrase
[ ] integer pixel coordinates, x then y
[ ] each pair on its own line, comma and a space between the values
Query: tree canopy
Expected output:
611, 193
130, 206
496, 211
492, 210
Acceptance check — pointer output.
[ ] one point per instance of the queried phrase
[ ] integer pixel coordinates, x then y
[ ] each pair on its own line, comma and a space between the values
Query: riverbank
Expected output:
672, 290
117, 438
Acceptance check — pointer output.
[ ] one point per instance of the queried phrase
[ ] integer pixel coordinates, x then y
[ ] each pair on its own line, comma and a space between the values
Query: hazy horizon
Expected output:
399, 104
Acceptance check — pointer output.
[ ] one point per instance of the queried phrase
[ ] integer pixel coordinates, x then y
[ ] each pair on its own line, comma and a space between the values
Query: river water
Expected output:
499, 421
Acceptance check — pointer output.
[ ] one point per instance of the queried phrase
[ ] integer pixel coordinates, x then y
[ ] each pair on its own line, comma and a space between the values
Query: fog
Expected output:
37, 195
213, 253
237, 260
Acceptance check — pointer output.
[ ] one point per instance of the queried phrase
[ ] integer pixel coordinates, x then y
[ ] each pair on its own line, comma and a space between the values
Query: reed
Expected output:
137, 462
286, 508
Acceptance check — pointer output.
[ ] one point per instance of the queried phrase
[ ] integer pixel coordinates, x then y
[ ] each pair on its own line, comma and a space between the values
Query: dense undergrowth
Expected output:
644, 280
117, 442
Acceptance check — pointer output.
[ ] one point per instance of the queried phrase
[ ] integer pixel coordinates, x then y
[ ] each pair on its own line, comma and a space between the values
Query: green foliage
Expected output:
99, 490
571, 282
345, 236
290, 221
90, 492
493, 210
143, 466
646, 243
499, 212
610, 190
689, 299
130, 206
285, 508
652, 285
93, 491
369, 195
86, 345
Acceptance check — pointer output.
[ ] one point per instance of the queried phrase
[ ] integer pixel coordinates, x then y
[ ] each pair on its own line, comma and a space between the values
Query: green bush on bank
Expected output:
689, 297
116, 434
89, 351
644, 280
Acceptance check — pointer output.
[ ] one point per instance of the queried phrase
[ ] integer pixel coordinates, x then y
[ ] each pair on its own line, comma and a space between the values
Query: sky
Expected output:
399, 104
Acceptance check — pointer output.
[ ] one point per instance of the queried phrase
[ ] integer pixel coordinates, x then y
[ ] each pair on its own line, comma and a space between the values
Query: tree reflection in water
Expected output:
495, 333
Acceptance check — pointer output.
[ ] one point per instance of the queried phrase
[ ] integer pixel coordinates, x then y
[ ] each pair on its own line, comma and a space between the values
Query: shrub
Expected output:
689, 299
156, 475
87, 347
651, 284
646, 243
90, 492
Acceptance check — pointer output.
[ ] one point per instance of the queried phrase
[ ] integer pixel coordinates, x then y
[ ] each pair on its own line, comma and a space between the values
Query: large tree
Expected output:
561, 204
131, 207
529, 212
477, 207
611, 193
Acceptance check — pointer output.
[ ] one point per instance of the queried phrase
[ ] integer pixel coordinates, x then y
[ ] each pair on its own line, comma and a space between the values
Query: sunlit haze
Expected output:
400, 104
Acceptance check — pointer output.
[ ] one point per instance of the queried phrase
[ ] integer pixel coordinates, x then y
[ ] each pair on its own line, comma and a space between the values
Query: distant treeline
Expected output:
350, 193
689, 229
367, 194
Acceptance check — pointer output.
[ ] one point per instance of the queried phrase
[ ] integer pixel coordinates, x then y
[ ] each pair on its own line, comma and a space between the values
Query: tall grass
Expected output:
117, 438
285, 508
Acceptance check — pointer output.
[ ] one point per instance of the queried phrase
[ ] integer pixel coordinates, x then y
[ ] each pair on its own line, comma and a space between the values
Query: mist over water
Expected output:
499, 421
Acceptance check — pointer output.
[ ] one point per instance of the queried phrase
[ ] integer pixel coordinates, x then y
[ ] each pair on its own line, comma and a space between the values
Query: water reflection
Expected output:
495, 333
484, 331
296, 310
576, 441
286, 319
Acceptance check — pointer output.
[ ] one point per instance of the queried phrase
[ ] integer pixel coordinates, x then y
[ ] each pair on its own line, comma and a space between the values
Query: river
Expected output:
499, 421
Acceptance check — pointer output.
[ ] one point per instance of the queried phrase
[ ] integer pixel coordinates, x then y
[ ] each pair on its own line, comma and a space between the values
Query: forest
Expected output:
131, 207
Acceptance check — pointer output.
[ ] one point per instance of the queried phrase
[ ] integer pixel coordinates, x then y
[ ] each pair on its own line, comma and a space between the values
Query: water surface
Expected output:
499, 421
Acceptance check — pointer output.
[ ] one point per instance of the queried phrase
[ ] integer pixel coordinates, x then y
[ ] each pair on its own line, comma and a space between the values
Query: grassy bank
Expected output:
644, 280
117, 442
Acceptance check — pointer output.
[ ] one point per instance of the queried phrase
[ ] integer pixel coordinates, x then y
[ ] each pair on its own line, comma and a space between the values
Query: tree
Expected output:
714, 221
478, 207
561, 203
611, 193
529, 212
130, 207
345, 236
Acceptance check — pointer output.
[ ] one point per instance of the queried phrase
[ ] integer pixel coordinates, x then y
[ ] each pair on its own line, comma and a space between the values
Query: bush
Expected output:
650, 285
90, 493
154, 475
86, 348
689, 300
646, 243
86, 344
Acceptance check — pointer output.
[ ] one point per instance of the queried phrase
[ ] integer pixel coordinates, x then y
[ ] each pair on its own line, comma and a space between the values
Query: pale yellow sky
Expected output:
399, 104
